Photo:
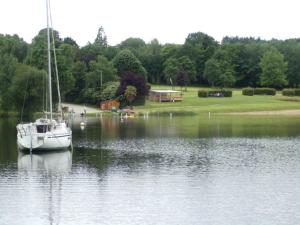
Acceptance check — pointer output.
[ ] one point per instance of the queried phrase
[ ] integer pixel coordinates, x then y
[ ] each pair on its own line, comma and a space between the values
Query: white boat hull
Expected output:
29, 138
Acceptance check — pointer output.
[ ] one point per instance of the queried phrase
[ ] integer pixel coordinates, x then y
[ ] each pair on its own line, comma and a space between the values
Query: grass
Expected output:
237, 103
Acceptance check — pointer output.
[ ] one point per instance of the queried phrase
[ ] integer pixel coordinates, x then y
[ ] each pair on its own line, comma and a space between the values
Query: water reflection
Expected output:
179, 170
58, 161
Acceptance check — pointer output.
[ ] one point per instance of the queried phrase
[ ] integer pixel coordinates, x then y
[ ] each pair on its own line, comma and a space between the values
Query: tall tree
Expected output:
200, 47
273, 69
101, 38
212, 71
26, 85
125, 61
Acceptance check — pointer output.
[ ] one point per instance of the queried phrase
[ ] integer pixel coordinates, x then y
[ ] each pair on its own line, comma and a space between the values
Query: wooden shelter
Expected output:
165, 96
110, 104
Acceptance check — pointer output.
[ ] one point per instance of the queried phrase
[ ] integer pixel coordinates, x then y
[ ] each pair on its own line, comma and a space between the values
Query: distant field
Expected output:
237, 103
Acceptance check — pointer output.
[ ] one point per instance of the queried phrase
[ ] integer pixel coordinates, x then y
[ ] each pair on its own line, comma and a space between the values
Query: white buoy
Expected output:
82, 125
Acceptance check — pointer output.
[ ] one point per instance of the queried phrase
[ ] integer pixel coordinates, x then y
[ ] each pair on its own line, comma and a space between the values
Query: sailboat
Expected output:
46, 133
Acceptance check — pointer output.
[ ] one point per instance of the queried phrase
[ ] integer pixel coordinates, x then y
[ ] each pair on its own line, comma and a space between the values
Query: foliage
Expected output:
109, 91
182, 79
297, 92
215, 93
264, 91
203, 93
288, 92
174, 66
101, 71
101, 38
27, 84
90, 96
133, 44
273, 69
248, 91
220, 93
133, 80
14, 46
212, 72
200, 47
8, 66
125, 61
130, 93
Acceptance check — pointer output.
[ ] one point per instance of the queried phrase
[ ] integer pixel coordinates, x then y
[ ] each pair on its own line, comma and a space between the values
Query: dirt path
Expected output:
78, 109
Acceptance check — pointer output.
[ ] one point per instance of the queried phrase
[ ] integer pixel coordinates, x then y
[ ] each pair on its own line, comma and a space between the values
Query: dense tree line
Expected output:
98, 71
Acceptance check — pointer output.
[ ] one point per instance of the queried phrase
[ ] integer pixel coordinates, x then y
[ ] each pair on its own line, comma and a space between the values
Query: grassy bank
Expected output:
237, 103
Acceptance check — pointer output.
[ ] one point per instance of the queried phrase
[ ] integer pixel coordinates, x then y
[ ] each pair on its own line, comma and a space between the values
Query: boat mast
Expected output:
55, 63
49, 60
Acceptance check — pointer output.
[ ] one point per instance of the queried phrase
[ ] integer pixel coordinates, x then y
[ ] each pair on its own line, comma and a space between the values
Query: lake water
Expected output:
177, 170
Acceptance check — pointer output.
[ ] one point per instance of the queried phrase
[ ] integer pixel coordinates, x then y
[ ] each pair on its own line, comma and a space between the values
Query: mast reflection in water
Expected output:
45, 169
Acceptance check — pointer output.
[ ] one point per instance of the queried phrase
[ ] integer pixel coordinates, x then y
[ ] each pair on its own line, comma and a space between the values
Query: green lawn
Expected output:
237, 103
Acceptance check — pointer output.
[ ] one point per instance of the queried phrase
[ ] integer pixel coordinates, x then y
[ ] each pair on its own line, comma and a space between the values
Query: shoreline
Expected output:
286, 112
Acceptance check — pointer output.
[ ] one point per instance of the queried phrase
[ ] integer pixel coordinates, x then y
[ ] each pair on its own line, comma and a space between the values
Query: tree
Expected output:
152, 60
37, 55
212, 71
273, 69
226, 79
27, 85
101, 38
132, 44
101, 71
135, 80
130, 93
200, 47
187, 66
8, 66
125, 61
182, 79
13, 45
109, 91
171, 69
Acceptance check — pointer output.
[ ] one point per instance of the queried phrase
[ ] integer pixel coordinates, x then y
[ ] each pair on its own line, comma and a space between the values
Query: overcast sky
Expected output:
170, 21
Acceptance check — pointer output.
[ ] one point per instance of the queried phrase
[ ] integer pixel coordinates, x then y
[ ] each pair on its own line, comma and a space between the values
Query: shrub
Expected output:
288, 92
264, 91
227, 93
109, 91
248, 91
220, 93
202, 93
297, 92
215, 93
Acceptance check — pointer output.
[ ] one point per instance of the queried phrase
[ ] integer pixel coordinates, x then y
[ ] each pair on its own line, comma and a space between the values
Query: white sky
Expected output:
170, 21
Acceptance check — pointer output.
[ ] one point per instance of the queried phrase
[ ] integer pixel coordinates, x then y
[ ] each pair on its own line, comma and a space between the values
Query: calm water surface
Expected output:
161, 170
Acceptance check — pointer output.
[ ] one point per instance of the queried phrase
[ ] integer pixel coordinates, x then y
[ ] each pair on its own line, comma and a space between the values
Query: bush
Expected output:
288, 92
109, 91
264, 91
248, 91
220, 93
297, 92
215, 93
227, 93
202, 93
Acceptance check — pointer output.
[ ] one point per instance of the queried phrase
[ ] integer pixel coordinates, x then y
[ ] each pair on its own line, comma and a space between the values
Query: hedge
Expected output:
288, 92
248, 91
291, 92
215, 93
297, 92
202, 93
264, 91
